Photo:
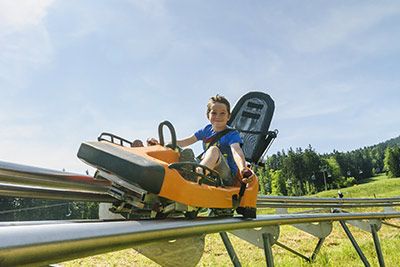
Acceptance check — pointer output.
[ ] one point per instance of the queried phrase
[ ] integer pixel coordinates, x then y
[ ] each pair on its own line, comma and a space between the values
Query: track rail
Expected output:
49, 243
26, 181
286, 199
314, 202
39, 243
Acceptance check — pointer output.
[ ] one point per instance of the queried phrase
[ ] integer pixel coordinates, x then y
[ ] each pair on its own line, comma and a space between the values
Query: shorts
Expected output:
224, 171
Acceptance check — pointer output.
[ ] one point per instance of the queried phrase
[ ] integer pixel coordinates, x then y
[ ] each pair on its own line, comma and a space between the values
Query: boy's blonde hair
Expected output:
218, 99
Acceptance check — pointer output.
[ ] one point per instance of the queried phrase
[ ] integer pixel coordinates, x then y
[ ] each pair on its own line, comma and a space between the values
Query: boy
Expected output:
225, 155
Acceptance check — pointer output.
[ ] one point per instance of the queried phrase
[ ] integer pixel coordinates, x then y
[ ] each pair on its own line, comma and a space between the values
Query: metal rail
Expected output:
315, 202
49, 243
292, 199
53, 193
25, 181
275, 201
325, 205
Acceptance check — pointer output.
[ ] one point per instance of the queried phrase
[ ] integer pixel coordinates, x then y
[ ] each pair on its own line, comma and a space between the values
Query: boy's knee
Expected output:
214, 149
214, 154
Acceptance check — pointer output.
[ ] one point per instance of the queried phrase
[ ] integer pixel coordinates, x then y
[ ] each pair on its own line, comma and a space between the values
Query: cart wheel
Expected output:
191, 214
161, 215
247, 212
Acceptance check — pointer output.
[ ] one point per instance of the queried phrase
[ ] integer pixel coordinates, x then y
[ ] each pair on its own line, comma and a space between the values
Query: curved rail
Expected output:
287, 199
315, 202
49, 243
51, 193
27, 181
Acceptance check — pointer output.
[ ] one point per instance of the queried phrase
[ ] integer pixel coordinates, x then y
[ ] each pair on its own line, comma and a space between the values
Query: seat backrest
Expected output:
252, 117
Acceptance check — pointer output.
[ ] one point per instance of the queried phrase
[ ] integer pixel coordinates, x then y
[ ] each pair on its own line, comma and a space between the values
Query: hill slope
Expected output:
379, 186
336, 248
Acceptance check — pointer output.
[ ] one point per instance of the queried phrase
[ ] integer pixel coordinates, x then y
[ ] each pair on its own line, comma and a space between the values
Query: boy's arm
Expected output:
187, 141
238, 156
245, 174
182, 143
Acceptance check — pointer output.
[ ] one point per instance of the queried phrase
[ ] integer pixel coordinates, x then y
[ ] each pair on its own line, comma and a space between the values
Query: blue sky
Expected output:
72, 69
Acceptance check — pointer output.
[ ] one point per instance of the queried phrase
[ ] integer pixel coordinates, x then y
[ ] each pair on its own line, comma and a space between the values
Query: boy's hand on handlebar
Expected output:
152, 142
247, 176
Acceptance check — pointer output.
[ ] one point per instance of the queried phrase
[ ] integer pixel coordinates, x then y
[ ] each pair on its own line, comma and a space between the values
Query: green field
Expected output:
378, 186
337, 248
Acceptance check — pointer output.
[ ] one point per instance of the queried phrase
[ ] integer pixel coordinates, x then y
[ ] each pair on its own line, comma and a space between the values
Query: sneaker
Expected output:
187, 154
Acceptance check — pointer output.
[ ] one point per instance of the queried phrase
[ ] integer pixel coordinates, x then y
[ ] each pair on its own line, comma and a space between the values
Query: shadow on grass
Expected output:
372, 179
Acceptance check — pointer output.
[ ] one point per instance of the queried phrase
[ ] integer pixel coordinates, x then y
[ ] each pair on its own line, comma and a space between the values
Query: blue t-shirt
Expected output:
224, 143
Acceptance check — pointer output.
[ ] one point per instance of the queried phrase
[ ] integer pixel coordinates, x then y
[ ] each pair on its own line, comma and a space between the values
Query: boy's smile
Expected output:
218, 116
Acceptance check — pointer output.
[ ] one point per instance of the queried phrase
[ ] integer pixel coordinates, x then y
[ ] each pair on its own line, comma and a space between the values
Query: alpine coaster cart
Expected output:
152, 182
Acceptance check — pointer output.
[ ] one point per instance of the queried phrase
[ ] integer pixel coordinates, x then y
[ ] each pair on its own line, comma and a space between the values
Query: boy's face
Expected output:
218, 116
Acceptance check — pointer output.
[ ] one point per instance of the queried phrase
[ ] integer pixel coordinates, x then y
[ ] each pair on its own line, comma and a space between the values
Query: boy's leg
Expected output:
225, 171
211, 158
214, 159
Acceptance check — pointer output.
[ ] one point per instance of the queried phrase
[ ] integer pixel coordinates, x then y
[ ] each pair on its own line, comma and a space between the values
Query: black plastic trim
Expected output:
130, 167
265, 137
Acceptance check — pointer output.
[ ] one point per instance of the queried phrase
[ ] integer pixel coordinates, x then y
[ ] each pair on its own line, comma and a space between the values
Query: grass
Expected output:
378, 186
337, 248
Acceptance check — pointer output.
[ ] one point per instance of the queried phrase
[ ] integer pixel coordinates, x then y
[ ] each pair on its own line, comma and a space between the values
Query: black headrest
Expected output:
252, 117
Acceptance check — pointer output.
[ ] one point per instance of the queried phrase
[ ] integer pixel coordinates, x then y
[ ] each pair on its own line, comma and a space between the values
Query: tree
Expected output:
294, 172
312, 162
264, 180
278, 185
392, 161
28, 209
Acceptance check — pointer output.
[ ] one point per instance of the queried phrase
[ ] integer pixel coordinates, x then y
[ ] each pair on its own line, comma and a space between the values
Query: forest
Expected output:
295, 172
298, 172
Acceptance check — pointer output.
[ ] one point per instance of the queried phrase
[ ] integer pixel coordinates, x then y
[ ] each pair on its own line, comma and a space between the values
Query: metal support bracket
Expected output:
263, 237
176, 252
254, 235
366, 224
320, 230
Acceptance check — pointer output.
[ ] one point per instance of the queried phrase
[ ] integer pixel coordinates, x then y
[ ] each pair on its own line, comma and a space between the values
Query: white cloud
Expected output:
154, 55
24, 41
155, 8
17, 15
341, 25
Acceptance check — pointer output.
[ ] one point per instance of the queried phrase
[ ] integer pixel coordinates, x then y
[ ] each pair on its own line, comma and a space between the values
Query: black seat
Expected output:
252, 117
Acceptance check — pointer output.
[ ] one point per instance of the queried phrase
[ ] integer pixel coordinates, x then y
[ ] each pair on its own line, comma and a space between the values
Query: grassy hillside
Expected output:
378, 186
337, 248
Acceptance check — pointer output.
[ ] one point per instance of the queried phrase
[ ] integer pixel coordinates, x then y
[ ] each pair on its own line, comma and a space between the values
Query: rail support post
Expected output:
230, 249
267, 237
292, 250
355, 245
317, 249
377, 245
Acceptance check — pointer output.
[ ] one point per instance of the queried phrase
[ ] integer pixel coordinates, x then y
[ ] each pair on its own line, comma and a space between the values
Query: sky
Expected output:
70, 70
